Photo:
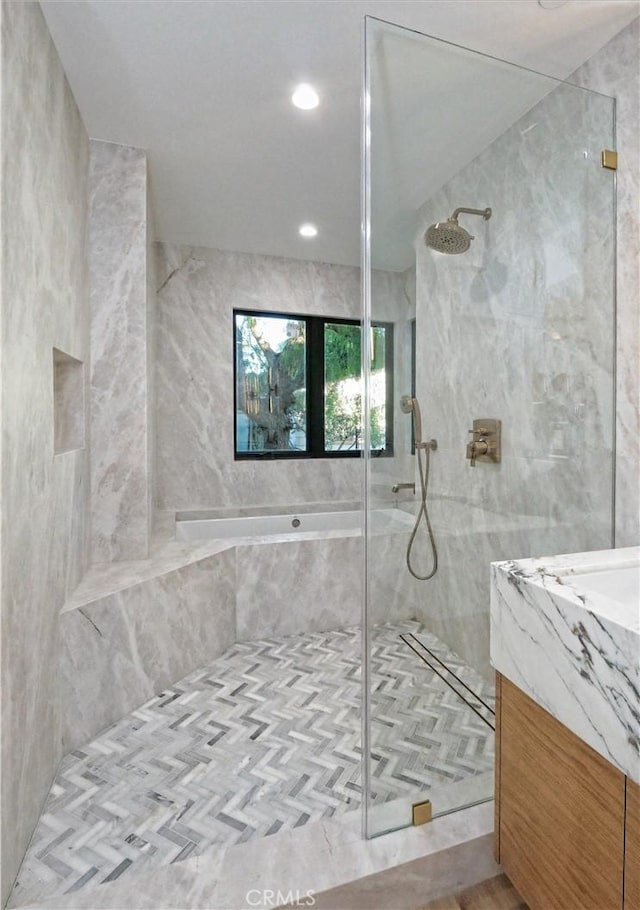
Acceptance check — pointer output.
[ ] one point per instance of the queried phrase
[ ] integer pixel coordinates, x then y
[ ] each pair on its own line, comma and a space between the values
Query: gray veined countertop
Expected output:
566, 630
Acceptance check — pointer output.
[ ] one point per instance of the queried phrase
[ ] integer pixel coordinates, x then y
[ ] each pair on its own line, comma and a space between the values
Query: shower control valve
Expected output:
485, 445
475, 448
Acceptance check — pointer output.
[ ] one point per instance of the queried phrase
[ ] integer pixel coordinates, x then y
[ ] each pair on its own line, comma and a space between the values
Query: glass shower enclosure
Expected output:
503, 325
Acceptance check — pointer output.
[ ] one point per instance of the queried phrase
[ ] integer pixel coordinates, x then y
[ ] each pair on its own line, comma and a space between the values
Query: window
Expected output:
298, 386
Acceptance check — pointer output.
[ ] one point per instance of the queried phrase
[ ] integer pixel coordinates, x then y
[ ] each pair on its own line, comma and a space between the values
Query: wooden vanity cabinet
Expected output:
632, 848
560, 813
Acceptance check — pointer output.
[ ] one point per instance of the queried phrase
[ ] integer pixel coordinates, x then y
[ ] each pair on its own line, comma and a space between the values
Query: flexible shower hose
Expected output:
423, 474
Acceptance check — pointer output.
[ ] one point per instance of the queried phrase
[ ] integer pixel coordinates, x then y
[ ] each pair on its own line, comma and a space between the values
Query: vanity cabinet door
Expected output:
632, 849
560, 814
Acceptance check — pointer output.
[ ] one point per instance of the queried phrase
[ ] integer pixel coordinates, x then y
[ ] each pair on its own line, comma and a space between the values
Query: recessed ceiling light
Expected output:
551, 4
305, 97
308, 230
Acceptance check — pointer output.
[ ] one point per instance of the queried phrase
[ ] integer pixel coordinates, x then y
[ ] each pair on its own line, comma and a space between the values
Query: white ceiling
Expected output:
204, 87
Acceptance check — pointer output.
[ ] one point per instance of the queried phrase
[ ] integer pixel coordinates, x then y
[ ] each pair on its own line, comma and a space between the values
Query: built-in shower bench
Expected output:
130, 629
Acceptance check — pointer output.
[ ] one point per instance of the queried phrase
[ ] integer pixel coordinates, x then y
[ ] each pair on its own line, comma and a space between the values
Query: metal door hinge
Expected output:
421, 812
610, 159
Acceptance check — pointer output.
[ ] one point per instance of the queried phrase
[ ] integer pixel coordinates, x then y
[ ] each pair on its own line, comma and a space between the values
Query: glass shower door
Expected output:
503, 327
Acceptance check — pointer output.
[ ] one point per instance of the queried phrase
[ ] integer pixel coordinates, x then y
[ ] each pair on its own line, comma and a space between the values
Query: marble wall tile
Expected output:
298, 586
154, 517
197, 291
120, 482
520, 328
44, 497
119, 651
615, 71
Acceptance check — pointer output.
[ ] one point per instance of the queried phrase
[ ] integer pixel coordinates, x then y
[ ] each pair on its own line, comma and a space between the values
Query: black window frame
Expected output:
314, 341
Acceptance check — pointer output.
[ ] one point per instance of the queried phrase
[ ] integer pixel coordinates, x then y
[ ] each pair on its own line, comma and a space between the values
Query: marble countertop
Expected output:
566, 630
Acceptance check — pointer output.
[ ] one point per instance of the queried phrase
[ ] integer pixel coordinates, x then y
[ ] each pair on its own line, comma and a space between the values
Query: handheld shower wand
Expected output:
410, 405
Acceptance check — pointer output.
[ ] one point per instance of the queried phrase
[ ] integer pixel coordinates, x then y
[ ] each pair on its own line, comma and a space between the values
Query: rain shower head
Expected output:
448, 236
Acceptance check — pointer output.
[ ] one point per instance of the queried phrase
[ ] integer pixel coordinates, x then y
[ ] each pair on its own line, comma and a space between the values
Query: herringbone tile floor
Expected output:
265, 737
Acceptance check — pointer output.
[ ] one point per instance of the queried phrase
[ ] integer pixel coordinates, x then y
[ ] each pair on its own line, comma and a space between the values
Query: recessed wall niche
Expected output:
68, 403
